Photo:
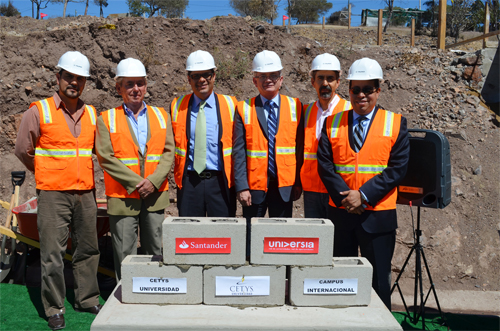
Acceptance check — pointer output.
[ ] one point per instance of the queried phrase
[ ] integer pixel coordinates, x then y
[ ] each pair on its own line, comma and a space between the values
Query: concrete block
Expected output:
244, 286
291, 241
204, 240
125, 317
347, 282
152, 279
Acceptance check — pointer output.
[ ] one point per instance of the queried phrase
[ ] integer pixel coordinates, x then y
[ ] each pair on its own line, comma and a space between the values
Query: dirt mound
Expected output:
431, 88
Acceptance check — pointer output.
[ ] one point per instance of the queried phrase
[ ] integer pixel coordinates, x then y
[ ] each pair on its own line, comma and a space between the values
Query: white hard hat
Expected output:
325, 62
74, 62
200, 60
365, 69
130, 68
266, 61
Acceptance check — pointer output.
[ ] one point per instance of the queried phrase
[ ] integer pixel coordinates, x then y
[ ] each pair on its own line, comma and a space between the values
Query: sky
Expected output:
203, 9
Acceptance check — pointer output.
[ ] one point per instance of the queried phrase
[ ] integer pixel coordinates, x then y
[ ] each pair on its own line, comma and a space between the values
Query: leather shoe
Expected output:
93, 310
56, 322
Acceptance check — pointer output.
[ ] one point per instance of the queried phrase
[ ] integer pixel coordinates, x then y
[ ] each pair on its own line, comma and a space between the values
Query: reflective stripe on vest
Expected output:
70, 167
127, 152
357, 168
179, 108
309, 175
257, 144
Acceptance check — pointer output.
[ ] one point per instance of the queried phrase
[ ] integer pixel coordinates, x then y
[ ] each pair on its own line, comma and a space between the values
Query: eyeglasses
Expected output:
367, 90
263, 78
329, 79
206, 75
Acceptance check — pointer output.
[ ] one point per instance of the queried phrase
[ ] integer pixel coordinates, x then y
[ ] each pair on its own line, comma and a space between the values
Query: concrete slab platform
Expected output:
118, 316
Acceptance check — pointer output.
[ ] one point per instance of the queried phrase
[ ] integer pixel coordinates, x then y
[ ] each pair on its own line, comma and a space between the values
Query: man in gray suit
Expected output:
267, 144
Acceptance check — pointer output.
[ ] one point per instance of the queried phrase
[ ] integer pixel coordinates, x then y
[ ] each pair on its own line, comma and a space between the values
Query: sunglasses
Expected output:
329, 79
206, 75
367, 90
263, 78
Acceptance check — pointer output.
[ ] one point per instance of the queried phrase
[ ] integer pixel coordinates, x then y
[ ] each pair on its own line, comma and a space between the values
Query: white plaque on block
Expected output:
242, 286
330, 286
159, 285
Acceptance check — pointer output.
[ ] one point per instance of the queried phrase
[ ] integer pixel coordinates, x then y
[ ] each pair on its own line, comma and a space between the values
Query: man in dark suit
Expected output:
267, 144
362, 156
203, 130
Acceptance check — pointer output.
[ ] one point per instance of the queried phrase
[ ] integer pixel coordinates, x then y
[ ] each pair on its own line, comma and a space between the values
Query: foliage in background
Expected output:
101, 3
8, 9
457, 17
390, 8
231, 67
308, 11
336, 17
166, 8
255, 8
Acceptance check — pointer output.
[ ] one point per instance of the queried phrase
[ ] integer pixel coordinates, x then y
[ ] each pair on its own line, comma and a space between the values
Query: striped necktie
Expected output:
200, 140
358, 134
271, 133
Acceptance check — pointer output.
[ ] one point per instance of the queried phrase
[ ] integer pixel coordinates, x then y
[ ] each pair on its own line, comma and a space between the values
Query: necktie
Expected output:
271, 133
200, 140
358, 134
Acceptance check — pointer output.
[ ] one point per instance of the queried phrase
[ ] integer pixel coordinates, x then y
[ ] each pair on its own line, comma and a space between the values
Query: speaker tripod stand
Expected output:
419, 256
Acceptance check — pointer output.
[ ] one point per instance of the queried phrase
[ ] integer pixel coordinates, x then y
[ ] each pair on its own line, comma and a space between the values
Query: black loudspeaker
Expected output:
428, 180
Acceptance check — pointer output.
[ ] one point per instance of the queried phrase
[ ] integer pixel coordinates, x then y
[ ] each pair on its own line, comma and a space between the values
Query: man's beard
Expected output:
325, 92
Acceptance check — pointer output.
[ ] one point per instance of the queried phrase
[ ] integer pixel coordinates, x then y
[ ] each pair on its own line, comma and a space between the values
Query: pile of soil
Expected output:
429, 87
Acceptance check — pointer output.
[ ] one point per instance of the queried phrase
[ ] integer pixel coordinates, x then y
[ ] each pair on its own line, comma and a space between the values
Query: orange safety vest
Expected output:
257, 144
309, 173
179, 111
63, 162
126, 150
357, 168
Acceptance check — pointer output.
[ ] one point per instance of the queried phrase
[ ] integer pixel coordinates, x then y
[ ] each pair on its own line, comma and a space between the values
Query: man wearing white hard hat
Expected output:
135, 148
55, 141
325, 78
362, 156
268, 144
203, 128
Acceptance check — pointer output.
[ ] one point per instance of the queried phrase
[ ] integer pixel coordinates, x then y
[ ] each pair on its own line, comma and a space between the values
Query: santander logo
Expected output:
202, 245
291, 245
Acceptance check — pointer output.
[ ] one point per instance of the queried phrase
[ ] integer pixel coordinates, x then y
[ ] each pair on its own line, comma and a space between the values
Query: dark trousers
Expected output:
57, 211
315, 204
273, 201
206, 196
377, 248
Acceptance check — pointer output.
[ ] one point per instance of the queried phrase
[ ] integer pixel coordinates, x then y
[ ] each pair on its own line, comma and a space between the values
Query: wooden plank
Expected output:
379, 34
486, 23
494, 33
412, 39
442, 25
34, 243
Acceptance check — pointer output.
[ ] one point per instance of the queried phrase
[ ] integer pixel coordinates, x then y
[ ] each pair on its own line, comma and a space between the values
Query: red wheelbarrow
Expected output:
27, 231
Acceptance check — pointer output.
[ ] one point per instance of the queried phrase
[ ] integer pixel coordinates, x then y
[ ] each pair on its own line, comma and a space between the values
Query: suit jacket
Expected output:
131, 207
227, 191
240, 155
375, 189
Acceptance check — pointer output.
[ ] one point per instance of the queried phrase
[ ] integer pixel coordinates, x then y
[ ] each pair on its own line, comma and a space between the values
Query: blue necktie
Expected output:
271, 133
358, 134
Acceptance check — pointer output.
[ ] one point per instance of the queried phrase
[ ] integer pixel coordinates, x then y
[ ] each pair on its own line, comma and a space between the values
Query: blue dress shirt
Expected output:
139, 125
276, 101
214, 162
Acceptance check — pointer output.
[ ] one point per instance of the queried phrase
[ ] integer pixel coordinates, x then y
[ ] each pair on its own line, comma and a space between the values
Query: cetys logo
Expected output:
202, 245
291, 245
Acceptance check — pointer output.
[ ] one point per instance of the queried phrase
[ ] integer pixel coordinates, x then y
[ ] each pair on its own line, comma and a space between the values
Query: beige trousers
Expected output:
57, 211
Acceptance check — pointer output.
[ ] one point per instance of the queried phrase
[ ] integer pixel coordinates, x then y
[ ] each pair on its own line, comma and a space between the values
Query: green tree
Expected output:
256, 8
8, 9
167, 8
458, 17
309, 11
101, 3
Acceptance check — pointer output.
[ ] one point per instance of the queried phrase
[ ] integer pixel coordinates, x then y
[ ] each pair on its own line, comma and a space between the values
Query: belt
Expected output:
207, 174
